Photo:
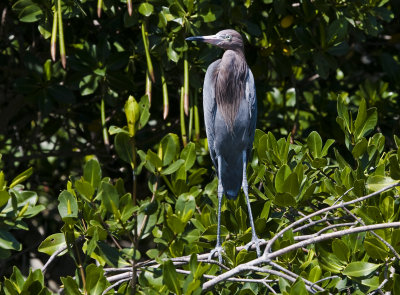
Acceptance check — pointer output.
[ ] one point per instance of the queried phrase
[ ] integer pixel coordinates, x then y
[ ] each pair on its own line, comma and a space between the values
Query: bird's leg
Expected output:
254, 239
218, 249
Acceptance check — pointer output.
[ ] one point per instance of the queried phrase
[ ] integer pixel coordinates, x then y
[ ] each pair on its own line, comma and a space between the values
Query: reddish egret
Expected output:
230, 113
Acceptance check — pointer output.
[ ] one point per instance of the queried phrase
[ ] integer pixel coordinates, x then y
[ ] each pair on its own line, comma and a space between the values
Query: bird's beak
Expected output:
211, 39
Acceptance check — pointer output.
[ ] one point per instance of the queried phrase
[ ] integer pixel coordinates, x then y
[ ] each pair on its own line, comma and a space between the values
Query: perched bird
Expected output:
230, 113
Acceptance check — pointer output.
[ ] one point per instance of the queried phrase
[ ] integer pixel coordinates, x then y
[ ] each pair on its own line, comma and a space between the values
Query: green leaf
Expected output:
124, 148
153, 159
188, 154
4, 197
368, 124
113, 256
96, 282
343, 111
146, 9
170, 277
172, 53
144, 105
373, 283
173, 167
361, 116
378, 182
21, 177
360, 269
360, 148
175, 224
314, 143
299, 288
394, 167
337, 30
387, 208
30, 12
114, 130
89, 84
396, 284
326, 147
210, 12
7, 241
52, 243
341, 161
92, 172
169, 147
319, 162
17, 278
284, 200
210, 233
70, 286
292, 185
375, 248
282, 174
328, 261
34, 283
84, 188
68, 206
315, 274
2, 181
109, 196
341, 250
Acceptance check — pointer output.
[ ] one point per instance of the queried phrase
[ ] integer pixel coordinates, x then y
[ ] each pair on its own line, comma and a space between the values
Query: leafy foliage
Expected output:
308, 58
16, 204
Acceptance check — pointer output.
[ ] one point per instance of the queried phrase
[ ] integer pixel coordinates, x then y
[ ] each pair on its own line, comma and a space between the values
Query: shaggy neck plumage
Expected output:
230, 77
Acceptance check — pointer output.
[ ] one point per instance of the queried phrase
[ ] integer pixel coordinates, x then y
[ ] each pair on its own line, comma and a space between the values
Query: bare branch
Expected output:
295, 276
305, 237
52, 257
56, 253
316, 222
266, 258
342, 205
374, 234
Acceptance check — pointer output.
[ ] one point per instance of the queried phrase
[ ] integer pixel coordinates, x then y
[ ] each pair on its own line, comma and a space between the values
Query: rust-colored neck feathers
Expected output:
230, 84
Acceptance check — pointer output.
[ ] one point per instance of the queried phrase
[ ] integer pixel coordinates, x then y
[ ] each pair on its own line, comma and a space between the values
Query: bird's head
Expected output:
225, 39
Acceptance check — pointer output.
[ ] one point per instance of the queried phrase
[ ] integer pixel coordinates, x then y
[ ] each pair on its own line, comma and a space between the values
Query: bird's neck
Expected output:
230, 84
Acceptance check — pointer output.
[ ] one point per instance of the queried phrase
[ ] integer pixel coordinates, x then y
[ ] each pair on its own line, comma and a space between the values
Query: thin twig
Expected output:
52, 257
379, 289
115, 285
272, 272
56, 253
342, 205
305, 237
316, 222
322, 280
267, 257
292, 274
374, 234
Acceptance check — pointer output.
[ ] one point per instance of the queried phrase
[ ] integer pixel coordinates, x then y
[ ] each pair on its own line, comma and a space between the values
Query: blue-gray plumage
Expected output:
230, 114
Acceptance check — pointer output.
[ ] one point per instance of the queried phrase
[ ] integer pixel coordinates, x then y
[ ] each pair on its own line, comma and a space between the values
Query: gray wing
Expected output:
251, 99
210, 108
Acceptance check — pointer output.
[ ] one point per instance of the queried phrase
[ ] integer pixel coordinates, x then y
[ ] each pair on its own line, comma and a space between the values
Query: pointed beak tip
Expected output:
192, 39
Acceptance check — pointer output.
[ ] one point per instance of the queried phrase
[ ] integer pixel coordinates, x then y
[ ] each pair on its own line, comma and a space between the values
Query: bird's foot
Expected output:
256, 242
217, 250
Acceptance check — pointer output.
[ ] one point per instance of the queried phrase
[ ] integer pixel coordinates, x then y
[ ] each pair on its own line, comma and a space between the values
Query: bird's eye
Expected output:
228, 37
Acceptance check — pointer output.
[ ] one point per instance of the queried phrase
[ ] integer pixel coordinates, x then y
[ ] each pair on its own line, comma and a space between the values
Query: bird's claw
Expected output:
255, 241
217, 250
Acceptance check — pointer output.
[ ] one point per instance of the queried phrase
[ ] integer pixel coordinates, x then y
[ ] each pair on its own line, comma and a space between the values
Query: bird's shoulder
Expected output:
209, 86
210, 74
